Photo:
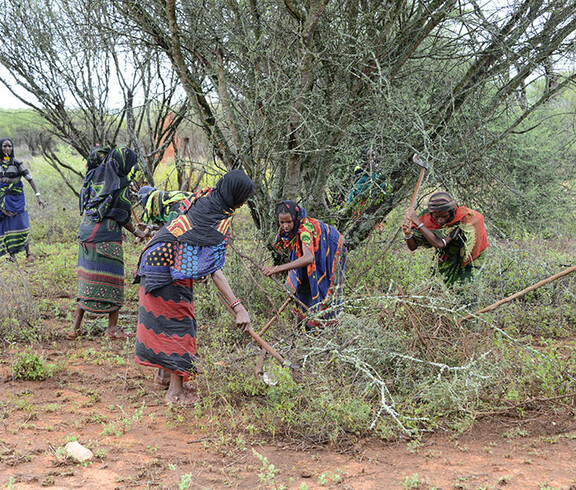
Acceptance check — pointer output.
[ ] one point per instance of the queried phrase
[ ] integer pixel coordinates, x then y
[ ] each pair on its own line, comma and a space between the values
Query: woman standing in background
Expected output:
14, 221
105, 203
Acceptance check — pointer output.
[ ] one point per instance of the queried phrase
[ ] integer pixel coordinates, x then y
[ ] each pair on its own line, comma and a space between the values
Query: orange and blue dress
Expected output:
318, 285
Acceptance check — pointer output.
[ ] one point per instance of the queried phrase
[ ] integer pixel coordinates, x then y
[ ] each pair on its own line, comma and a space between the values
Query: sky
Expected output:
8, 101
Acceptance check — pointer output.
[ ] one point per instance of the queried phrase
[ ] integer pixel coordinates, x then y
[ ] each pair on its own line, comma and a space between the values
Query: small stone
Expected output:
306, 474
78, 451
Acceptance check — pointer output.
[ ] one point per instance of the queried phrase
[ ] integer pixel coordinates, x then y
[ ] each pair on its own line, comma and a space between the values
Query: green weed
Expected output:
30, 366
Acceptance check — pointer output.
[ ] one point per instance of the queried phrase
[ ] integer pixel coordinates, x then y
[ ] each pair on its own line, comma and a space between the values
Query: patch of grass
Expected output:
515, 433
30, 366
411, 482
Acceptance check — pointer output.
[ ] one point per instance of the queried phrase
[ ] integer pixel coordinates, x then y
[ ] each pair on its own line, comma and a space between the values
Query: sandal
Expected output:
118, 334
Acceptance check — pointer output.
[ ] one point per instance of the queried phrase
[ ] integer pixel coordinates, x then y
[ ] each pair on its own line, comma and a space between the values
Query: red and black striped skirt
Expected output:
166, 334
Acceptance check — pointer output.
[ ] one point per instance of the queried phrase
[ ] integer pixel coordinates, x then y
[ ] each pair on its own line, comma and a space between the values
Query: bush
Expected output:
30, 366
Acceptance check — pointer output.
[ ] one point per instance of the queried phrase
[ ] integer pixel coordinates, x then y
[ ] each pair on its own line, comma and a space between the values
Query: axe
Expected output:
423, 167
262, 343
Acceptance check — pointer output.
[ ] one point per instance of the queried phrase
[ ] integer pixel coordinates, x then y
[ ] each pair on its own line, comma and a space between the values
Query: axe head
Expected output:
418, 161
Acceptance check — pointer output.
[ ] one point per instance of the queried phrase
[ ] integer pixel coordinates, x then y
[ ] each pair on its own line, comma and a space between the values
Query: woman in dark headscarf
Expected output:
189, 248
105, 204
317, 255
14, 221
457, 233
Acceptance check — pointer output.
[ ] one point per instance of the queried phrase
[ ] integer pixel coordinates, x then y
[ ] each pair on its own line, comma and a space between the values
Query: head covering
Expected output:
296, 211
96, 157
104, 192
2, 141
235, 188
206, 221
144, 193
161, 206
440, 202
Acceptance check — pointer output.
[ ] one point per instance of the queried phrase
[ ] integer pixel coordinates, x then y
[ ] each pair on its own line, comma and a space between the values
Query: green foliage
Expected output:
268, 472
397, 363
30, 366
14, 122
411, 482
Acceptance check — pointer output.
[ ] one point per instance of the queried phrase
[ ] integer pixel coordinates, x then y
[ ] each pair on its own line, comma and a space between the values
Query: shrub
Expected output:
30, 366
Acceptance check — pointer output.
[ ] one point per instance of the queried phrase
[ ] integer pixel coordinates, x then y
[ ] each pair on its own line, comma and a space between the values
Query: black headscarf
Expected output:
104, 192
198, 226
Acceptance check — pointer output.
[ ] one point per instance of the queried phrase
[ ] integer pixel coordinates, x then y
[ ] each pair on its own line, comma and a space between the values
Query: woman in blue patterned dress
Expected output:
191, 247
14, 221
317, 258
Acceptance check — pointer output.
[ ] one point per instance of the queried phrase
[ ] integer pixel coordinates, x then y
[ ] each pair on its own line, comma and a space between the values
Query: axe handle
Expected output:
418, 184
267, 348
135, 217
255, 336
275, 317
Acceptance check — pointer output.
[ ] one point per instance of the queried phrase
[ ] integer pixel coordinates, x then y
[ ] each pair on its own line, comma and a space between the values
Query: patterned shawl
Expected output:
159, 205
105, 191
471, 225
206, 221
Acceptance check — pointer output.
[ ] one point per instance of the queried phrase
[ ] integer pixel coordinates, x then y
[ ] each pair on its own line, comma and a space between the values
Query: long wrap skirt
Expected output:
166, 334
100, 277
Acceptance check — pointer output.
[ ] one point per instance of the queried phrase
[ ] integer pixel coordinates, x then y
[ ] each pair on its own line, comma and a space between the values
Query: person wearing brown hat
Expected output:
456, 232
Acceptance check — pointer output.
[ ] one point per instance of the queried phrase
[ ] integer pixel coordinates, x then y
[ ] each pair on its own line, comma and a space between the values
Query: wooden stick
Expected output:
257, 338
135, 217
276, 281
519, 294
276, 316
259, 368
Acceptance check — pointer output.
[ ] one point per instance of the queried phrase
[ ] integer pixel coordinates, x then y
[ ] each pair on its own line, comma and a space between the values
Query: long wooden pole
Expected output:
262, 343
519, 294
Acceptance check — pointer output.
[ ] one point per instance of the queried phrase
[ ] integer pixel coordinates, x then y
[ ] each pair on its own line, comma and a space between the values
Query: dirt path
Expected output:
140, 443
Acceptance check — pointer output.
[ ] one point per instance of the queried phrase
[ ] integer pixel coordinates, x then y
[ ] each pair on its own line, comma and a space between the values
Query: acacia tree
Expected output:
293, 91
72, 63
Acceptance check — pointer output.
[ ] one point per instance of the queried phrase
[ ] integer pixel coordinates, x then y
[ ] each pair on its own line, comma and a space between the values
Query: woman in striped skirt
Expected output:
105, 203
191, 247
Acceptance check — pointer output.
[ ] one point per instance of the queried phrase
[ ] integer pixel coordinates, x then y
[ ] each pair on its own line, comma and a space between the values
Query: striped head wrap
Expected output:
144, 193
440, 202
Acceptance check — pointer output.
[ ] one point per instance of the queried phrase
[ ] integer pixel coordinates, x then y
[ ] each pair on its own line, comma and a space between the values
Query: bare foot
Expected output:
162, 377
72, 335
30, 259
184, 398
118, 334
